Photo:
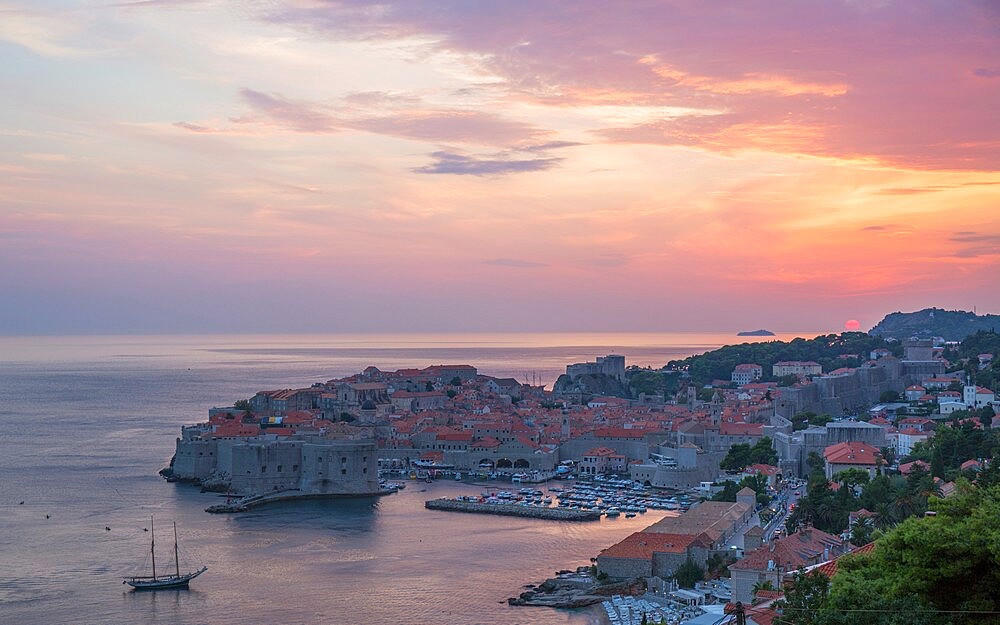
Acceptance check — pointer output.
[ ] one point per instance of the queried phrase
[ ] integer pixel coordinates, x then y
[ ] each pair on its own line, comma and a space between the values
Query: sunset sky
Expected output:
435, 165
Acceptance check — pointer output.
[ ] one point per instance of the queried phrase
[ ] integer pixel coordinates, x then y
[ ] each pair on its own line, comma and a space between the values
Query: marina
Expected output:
579, 501
629, 610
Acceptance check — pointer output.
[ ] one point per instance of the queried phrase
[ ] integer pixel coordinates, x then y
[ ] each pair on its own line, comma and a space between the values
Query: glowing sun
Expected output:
852, 324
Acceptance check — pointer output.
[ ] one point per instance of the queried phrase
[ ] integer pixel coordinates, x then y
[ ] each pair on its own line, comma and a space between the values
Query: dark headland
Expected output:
756, 333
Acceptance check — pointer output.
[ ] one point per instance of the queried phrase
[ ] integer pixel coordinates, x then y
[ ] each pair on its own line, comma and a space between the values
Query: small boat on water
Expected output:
154, 582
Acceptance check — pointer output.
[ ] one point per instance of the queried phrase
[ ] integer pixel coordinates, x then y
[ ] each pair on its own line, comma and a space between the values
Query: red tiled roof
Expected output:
764, 595
907, 467
487, 442
455, 436
619, 433
830, 568
741, 429
791, 552
643, 545
600, 451
851, 453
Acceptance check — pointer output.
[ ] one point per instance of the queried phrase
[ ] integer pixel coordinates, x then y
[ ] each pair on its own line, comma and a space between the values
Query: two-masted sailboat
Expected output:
154, 582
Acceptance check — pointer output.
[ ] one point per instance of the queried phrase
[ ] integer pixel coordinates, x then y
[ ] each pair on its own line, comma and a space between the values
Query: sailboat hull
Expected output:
163, 583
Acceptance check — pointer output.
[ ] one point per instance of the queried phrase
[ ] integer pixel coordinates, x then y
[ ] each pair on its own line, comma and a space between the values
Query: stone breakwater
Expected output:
246, 503
527, 512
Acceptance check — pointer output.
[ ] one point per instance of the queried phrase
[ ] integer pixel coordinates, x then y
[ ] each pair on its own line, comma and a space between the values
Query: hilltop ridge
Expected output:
952, 325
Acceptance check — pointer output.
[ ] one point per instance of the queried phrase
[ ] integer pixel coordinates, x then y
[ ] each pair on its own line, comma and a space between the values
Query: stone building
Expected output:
772, 561
610, 365
747, 373
663, 546
683, 466
794, 448
796, 367
262, 464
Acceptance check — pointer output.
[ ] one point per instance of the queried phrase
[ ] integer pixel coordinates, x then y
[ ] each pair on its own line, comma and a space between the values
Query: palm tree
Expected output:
759, 586
883, 517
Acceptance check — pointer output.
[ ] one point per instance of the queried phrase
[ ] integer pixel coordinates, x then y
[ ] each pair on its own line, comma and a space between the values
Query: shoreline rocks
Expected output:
575, 590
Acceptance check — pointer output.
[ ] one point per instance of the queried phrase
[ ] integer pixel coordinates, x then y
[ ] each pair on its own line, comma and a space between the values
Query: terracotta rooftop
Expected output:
741, 429
851, 453
797, 550
642, 545
830, 568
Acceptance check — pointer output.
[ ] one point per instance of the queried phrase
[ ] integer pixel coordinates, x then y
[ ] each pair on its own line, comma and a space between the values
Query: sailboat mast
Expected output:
177, 562
152, 546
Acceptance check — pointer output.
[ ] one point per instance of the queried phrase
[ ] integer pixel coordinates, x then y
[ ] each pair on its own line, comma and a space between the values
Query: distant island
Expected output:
756, 333
951, 325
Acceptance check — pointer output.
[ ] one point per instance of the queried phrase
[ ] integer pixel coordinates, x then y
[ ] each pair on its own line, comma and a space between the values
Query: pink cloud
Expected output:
296, 115
451, 126
397, 116
901, 81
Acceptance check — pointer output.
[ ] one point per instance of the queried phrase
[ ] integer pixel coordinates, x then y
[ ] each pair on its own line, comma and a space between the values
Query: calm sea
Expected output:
86, 422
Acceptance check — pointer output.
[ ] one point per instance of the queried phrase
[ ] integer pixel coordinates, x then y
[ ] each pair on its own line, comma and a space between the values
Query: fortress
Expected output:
313, 465
610, 365
849, 391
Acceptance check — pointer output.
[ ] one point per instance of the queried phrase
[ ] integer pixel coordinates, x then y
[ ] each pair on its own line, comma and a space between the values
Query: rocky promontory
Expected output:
574, 590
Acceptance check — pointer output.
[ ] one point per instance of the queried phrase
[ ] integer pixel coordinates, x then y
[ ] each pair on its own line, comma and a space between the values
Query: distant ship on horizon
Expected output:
756, 333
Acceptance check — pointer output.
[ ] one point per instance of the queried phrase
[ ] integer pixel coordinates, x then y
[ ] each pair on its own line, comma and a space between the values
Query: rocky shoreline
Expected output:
573, 590
528, 512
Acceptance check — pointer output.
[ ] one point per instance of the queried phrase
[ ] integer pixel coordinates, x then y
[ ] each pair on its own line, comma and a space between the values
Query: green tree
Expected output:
742, 455
688, 574
718, 565
861, 533
764, 585
763, 452
888, 397
728, 492
804, 598
888, 455
986, 414
737, 458
849, 478
758, 484
947, 562
242, 404
719, 364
